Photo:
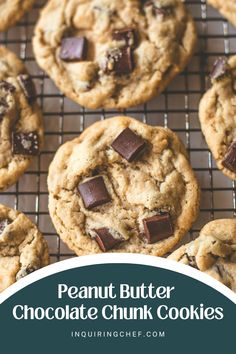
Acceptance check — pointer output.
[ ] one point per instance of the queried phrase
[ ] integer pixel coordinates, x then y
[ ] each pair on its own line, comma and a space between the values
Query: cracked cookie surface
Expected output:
213, 252
11, 11
226, 7
217, 113
22, 247
100, 200
21, 124
113, 53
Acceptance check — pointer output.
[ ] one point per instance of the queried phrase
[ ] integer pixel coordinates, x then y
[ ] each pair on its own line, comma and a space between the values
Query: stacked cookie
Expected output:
121, 186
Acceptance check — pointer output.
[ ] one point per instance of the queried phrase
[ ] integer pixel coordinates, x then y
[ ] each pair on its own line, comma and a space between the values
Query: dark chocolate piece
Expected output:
105, 239
28, 87
229, 160
128, 35
25, 143
147, 2
3, 224
129, 145
219, 270
26, 271
3, 107
158, 227
94, 192
220, 68
192, 261
5, 85
120, 61
73, 49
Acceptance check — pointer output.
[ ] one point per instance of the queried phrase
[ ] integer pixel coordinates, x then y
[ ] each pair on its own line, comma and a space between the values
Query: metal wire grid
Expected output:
176, 108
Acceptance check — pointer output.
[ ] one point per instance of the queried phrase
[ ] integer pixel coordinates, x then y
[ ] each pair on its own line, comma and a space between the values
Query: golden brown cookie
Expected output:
21, 124
226, 7
11, 11
22, 247
213, 252
113, 53
217, 114
122, 186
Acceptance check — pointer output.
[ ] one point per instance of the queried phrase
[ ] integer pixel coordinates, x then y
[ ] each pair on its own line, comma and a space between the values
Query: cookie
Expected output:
217, 113
22, 247
11, 11
113, 53
122, 186
226, 7
213, 252
21, 125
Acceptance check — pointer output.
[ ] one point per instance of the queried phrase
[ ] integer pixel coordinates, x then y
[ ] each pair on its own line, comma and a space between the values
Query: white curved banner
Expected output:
120, 258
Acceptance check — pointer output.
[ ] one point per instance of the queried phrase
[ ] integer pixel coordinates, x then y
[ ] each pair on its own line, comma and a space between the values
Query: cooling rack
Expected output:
176, 108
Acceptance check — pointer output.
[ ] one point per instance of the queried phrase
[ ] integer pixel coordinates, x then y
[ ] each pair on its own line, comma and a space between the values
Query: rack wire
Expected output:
176, 108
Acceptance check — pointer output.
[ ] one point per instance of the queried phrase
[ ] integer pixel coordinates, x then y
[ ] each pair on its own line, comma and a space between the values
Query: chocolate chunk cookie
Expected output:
217, 115
213, 252
122, 186
12, 11
226, 7
113, 53
22, 247
21, 126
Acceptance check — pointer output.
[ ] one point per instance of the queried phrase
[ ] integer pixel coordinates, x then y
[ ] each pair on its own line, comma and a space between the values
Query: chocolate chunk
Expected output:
5, 85
147, 2
25, 143
26, 271
220, 68
229, 160
28, 87
218, 269
120, 61
94, 192
126, 35
73, 49
192, 261
105, 239
129, 145
3, 107
158, 227
3, 224
3, 103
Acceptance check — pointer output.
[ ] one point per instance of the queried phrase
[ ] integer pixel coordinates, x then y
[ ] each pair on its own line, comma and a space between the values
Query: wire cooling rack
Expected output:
176, 108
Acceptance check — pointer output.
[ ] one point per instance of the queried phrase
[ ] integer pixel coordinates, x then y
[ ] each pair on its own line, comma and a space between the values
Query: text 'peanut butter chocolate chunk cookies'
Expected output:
213, 252
113, 53
122, 186
22, 247
21, 126
226, 7
11, 11
217, 114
